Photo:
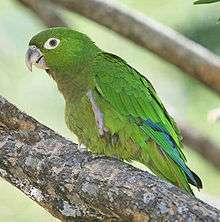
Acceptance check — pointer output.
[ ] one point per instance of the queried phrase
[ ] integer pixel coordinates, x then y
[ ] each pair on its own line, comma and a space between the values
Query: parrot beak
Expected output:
35, 57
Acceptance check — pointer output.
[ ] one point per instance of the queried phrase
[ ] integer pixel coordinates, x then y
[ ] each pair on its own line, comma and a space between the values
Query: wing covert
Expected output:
132, 95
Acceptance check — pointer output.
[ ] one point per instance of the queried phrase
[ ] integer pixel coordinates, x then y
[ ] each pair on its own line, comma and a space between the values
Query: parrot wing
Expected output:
132, 95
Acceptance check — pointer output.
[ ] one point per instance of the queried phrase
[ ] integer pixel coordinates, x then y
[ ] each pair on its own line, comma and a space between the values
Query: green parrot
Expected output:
110, 106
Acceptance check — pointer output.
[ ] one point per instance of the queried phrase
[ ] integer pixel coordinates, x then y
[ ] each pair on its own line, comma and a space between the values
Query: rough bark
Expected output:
74, 185
189, 56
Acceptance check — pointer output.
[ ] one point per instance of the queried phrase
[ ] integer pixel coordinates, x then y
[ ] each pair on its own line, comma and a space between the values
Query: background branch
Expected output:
200, 143
74, 185
45, 11
189, 56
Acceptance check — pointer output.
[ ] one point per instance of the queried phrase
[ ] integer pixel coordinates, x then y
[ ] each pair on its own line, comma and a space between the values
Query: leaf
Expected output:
205, 2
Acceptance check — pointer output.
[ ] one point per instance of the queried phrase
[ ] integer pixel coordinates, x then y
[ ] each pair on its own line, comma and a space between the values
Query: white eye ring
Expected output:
51, 43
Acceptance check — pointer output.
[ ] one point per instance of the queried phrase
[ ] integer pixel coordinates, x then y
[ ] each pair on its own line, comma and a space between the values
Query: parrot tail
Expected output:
198, 183
163, 166
165, 159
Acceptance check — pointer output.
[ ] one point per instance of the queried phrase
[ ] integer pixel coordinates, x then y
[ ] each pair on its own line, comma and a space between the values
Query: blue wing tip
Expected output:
158, 127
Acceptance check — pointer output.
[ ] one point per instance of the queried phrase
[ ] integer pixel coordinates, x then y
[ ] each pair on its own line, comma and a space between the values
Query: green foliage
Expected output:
205, 1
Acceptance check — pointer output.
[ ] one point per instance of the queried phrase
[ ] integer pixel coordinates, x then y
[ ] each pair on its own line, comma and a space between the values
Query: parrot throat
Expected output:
73, 81
72, 88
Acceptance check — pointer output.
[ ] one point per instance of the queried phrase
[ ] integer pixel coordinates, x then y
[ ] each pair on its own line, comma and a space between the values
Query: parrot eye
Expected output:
51, 43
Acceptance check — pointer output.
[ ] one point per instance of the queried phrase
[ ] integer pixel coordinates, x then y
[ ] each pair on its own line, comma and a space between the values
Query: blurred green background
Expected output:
36, 93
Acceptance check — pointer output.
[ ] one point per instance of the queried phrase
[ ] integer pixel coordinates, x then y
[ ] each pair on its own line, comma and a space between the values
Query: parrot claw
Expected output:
111, 140
102, 131
81, 147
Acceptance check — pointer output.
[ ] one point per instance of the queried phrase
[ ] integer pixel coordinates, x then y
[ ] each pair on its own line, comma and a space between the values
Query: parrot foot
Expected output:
111, 140
99, 117
80, 146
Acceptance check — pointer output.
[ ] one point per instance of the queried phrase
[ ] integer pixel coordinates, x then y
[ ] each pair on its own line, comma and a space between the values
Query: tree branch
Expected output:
189, 56
200, 143
75, 185
45, 11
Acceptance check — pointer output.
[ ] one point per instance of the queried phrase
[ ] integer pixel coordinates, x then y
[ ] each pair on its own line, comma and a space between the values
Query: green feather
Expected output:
139, 99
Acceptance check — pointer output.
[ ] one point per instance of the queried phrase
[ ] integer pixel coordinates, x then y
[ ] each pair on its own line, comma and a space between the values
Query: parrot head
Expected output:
59, 49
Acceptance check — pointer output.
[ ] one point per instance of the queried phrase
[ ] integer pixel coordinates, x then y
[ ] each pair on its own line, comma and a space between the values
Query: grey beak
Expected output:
34, 57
